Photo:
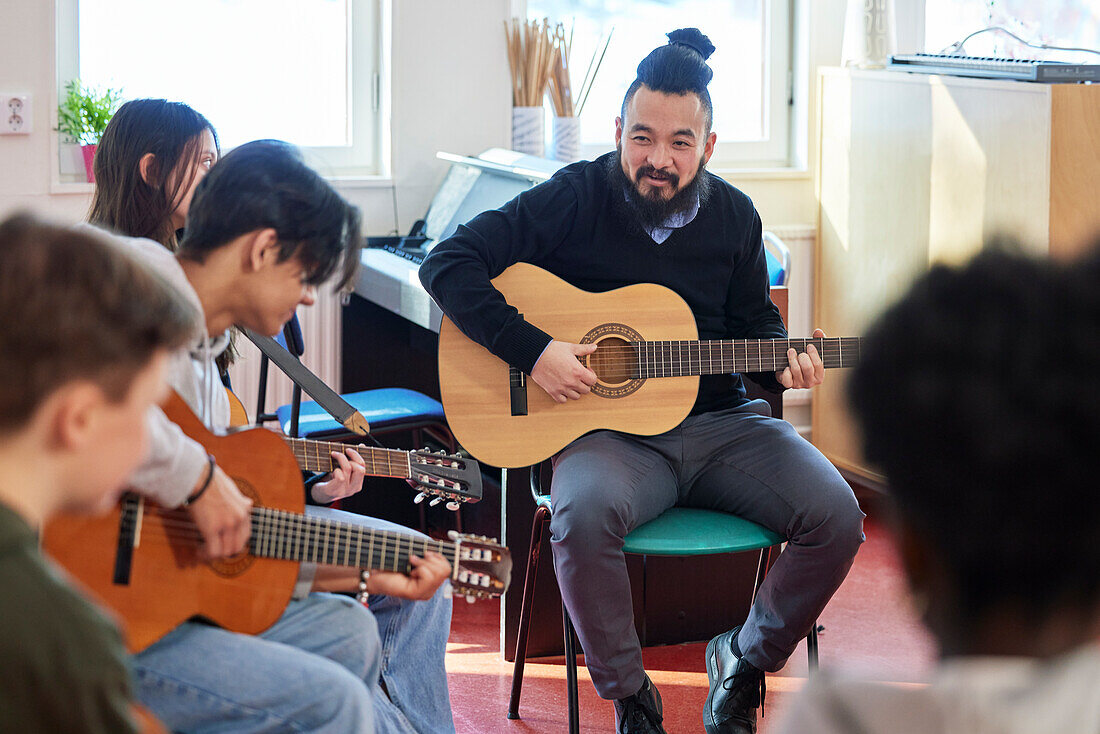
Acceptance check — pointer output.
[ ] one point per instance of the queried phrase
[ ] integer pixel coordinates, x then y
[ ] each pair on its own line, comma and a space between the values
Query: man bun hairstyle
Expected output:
678, 67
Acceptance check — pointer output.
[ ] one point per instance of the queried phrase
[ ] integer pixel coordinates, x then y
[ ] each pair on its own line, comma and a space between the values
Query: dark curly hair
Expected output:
977, 395
678, 67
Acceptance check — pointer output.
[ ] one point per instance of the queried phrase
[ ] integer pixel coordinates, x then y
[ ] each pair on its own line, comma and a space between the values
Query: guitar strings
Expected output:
303, 534
654, 353
832, 344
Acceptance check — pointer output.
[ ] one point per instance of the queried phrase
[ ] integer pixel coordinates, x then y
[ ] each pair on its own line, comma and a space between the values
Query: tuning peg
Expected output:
453, 506
420, 497
452, 534
435, 501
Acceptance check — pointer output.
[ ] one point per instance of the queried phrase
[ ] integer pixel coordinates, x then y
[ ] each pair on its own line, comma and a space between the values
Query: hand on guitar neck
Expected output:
345, 479
805, 369
349, 468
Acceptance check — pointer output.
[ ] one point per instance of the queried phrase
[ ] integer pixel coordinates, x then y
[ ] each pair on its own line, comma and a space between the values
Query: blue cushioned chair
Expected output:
387, 409
778, 256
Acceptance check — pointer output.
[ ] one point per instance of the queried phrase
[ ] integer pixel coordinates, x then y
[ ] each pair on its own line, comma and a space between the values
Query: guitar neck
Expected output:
294, 537
316, 456
721, 356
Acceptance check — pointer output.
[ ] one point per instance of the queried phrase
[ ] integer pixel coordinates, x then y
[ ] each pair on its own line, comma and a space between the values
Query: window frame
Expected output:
368, 32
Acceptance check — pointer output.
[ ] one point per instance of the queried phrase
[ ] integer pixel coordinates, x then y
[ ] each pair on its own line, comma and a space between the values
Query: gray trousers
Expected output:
740, 461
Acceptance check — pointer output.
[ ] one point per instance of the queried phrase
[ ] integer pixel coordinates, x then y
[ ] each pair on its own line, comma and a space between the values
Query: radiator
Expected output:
800, 241
321, 331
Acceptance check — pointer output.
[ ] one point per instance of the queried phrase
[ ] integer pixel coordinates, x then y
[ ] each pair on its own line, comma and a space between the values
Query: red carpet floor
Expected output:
868, 628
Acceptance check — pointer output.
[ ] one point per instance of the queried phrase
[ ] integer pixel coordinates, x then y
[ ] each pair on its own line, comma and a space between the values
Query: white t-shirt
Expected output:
970, 695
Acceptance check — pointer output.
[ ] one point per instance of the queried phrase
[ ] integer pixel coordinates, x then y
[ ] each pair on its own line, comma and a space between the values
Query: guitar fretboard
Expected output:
290, 536
719, 356
317, 456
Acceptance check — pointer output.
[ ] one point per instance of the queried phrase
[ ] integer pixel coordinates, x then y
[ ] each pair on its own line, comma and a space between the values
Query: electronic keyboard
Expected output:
1028, 70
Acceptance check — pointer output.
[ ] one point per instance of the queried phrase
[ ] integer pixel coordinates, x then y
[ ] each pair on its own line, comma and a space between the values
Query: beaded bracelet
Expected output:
211, 461
364, 577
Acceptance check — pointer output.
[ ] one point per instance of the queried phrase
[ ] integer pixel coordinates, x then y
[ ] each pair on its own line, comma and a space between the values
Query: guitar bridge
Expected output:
517, 391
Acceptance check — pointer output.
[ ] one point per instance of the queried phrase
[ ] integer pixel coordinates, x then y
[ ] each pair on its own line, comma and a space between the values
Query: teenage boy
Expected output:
263, 230
84, 345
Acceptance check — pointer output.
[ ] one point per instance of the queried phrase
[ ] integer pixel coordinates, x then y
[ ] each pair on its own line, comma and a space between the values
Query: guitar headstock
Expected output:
445, 477
483, 567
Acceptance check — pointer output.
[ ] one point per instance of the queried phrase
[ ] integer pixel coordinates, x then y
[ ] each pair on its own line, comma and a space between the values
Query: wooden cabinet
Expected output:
915, 169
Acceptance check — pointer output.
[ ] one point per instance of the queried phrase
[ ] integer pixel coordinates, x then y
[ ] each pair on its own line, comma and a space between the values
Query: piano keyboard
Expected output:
1028, 70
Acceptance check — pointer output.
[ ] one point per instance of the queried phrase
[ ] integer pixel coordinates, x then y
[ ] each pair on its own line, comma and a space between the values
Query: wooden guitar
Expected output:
643, 332
142, 560
441, 476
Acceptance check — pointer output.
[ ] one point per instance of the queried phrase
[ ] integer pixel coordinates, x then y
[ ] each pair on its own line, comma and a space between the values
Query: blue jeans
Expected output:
317, 669
740, 461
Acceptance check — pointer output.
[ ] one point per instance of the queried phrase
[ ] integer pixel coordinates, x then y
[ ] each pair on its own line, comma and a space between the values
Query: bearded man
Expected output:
651, 213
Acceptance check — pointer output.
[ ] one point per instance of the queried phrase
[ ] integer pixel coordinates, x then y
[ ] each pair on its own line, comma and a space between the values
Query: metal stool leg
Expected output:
571, 673
542, 518
811, 648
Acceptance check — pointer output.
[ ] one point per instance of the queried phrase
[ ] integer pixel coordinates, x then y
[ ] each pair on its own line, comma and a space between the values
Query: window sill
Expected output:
360, 182
70, 188
763, 174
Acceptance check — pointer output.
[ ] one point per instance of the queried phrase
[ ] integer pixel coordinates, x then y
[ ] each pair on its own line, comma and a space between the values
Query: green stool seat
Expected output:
687, 531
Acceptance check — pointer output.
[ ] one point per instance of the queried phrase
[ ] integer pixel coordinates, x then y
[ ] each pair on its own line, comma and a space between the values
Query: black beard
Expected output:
651, 212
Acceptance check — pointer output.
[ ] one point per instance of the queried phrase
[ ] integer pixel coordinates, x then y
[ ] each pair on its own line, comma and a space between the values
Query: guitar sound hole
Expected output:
613, 361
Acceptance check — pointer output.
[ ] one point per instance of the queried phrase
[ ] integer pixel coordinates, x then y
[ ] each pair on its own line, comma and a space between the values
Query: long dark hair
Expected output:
124, 201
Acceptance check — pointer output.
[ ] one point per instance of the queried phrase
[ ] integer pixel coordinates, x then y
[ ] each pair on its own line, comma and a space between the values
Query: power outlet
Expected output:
15, 114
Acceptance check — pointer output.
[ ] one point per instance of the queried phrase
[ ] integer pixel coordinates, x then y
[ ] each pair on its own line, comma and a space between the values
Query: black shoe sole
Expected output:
712, 675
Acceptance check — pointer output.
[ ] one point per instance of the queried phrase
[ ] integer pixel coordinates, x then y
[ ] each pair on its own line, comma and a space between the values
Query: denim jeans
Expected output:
738, 460
317, 669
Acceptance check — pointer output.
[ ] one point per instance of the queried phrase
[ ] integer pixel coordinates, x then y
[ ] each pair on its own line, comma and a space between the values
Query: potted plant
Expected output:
83, 116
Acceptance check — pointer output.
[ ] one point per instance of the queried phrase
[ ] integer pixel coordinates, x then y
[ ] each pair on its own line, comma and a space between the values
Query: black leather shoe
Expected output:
640, 713
736, 689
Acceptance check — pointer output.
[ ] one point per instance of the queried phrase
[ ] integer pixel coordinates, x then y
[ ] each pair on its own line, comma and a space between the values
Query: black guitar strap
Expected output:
310, 383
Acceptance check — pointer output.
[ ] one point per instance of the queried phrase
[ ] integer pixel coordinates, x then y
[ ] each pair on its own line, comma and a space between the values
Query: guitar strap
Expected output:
310, 383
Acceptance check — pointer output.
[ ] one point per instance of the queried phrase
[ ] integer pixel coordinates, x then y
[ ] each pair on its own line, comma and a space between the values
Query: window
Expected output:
1072, 23
752, 63
304, 71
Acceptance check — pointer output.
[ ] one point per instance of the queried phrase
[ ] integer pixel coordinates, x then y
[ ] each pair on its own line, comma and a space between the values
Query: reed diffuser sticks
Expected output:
531, 58
538, 57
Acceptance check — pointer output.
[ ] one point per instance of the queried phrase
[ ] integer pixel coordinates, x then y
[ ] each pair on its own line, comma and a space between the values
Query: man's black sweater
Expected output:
580, 229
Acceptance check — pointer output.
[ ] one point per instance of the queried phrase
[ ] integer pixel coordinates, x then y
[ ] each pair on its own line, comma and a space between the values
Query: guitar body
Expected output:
167, 582
475, 385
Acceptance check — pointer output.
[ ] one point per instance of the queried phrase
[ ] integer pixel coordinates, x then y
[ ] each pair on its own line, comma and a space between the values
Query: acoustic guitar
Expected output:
648, 361
141, 560
441, 476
